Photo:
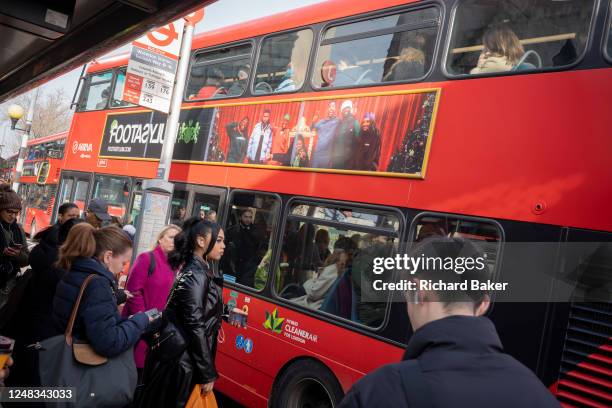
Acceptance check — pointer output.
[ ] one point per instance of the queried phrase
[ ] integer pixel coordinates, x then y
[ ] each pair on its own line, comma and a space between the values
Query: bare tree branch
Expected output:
52, 115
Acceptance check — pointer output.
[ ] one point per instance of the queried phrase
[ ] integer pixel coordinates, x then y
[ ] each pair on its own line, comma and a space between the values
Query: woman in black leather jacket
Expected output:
196, 304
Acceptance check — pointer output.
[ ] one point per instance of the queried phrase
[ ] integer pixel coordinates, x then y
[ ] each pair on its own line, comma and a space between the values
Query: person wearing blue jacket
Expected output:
103, 253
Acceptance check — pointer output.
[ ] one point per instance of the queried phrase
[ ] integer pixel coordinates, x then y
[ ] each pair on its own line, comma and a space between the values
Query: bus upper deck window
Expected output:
117, 99
493, 37
220, 73
397, 47
97, 92
283, 61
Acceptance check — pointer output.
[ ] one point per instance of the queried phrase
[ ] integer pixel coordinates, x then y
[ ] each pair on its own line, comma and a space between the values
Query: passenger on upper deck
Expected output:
288, 83
502, 51
212, 85
410, 63
103, 98
240, 83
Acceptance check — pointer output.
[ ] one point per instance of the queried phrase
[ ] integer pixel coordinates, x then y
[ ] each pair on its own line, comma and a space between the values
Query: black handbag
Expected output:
99, 381
168, 342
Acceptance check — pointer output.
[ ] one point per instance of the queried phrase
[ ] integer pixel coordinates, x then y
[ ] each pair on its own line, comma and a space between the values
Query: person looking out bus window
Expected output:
326, 130
245, 241
455, 357
335, 265
288, 82
238, 134
502, 51
149, 282
343, 146
367, 145
240, 83
211, 215
322, 242
260, 141
213, 85
97, 213
196, 305
179, 216
410, 63
104, 99
370, 308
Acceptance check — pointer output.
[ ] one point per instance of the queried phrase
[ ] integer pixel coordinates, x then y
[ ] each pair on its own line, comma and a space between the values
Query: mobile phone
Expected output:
16, 245
153, 314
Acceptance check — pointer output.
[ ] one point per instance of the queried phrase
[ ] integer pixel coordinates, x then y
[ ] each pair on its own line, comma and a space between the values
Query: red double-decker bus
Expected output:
39, 179
7, 169
375, 125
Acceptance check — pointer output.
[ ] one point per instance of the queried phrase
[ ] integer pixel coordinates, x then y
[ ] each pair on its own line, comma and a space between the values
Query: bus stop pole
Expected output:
172, 123
157, 193
24, 141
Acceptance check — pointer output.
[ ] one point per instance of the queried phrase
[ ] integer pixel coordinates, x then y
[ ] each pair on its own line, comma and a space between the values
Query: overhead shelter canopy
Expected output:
41, 39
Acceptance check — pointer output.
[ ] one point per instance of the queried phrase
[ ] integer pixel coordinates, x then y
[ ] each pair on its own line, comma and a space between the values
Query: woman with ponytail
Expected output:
195, 306
102, 253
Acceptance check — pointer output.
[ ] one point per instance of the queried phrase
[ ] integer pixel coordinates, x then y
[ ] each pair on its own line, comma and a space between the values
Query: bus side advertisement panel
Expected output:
386, 134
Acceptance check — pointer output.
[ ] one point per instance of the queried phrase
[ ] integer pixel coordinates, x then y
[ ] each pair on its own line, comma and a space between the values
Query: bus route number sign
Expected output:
152, 67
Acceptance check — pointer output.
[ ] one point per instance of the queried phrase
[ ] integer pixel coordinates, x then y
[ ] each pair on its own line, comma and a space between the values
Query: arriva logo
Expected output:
188, 132
273, 322
81, 147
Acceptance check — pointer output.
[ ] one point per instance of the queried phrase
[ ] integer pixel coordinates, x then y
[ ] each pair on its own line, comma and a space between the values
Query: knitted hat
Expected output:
9, 200
347, 104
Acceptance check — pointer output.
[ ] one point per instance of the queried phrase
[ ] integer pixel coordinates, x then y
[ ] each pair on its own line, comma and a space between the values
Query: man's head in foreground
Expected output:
426, 304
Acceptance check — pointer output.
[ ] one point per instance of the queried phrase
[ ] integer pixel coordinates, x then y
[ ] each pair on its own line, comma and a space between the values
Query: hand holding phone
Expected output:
153, 314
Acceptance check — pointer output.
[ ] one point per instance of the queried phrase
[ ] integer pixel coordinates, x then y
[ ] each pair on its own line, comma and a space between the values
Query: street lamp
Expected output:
15, 113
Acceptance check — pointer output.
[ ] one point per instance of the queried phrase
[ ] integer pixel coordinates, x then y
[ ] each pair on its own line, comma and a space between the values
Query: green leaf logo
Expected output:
273, 322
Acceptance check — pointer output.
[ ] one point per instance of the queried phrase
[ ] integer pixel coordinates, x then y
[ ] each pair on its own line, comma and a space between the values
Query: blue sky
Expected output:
219, 14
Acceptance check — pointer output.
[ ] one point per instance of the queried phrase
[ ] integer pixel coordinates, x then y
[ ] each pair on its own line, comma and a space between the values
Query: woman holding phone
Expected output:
13, 246
195, 306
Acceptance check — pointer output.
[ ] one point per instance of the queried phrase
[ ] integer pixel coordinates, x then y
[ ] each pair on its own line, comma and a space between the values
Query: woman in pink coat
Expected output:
150, 283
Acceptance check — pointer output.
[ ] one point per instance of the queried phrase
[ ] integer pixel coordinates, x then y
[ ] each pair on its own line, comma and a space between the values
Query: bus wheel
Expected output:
307, 384
33, 229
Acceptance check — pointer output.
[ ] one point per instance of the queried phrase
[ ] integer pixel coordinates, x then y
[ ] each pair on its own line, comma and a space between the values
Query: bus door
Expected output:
196, 201
74, 188
115, 190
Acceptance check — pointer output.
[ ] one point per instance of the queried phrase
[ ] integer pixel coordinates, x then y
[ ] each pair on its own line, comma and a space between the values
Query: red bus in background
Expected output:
7, 169
38, 184
369, 122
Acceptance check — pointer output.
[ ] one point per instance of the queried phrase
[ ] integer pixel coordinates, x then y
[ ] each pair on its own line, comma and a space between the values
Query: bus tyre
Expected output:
306, 383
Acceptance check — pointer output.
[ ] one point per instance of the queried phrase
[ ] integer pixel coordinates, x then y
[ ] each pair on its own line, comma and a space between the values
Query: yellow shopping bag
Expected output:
199, 400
